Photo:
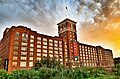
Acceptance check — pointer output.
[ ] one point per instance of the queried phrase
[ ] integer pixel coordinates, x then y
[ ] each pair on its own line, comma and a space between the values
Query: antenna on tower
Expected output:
66, 8
66, 11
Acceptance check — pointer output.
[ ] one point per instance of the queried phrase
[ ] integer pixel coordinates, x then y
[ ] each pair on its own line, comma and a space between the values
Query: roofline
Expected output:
86, 44
43, 35
94, 46
108, 50
65, 20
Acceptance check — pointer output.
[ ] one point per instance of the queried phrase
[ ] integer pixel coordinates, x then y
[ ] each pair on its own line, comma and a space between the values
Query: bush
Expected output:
20, 74
62, 73
3, 74
118, 66
48, 63
117, 70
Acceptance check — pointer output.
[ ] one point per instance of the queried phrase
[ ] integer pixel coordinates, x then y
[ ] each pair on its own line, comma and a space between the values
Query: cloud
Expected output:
104, 30
42, 15
104, 33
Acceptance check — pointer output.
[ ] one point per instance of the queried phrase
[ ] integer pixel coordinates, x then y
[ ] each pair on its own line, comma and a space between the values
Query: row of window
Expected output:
22, 58
22, 64
63, 27
25, 38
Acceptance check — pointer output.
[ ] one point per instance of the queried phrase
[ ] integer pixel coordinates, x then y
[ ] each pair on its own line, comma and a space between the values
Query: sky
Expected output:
43, 15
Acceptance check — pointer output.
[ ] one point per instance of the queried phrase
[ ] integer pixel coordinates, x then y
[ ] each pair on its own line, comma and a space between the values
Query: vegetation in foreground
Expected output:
51, 69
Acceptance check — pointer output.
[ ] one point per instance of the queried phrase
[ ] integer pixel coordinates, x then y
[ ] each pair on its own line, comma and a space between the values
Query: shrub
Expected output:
48, 63
3, 74
62, 73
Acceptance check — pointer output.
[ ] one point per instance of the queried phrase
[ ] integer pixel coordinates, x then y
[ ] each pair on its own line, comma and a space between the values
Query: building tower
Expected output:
67, 30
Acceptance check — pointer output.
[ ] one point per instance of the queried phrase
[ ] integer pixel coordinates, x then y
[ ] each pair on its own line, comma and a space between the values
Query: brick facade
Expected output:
21, 47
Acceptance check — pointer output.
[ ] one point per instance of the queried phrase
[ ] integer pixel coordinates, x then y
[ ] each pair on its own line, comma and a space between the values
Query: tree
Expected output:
47, 62
117, 60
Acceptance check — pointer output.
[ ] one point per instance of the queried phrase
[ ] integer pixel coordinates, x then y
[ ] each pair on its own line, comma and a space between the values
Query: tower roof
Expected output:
67, 20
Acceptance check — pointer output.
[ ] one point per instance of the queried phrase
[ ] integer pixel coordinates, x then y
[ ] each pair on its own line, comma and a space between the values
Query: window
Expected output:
44, 55
56, 56
83, 57
38, 42
15, 58
56, 52
50, 51
31, 49
45, 47
65, 52
16, 38
65, 49
31, 40
38, 58
31, 45
24, 39
38, 46
14, 64
45, 43
55, 48
17, 34
61, 59
66, 46
31, 58
38, 54
23, 58
30, 64
31, 36
51, 44
31, 53
50, 40
60, 45
50, 47
60, 52
44, 39
38, 38
15, 53
60, 49
60, 42
87, 61
85, 64
15, 48
24, 35
38, 50
55, 41
50, 55
56, 45
60, 28
23, 53
24, 44
24, 48
45, 51
22, 64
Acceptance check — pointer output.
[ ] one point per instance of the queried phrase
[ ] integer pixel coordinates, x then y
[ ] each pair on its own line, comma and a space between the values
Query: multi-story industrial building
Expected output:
21, 47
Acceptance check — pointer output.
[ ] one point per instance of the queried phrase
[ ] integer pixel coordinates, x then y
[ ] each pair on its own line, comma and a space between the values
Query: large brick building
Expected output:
20, 47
